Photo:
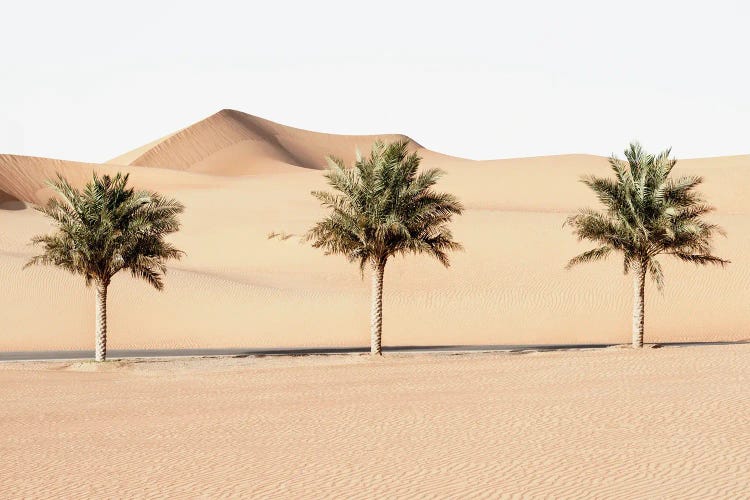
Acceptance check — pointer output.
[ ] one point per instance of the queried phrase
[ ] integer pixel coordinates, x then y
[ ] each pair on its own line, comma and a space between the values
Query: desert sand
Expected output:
242, 177
612, 423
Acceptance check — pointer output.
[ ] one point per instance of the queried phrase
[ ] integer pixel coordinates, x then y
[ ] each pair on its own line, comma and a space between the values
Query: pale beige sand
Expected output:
242, 177
615, 423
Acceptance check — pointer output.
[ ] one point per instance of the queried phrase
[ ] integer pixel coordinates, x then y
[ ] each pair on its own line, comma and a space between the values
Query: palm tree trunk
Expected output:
376, 315
101, 321
639, 293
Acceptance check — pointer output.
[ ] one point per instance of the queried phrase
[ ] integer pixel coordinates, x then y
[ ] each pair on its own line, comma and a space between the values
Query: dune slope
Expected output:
231, 142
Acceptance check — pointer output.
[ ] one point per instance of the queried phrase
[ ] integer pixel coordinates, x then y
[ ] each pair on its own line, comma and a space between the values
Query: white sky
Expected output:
88, 81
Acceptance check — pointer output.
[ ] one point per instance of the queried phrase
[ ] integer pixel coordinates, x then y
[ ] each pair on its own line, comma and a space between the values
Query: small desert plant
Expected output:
283, 235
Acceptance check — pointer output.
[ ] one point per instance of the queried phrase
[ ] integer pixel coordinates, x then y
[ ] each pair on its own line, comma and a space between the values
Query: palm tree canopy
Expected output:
107, 227
646, 213
384, 206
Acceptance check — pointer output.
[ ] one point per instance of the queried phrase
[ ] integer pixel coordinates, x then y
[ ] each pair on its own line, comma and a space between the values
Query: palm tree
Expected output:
647, 214
383, 207
103, 229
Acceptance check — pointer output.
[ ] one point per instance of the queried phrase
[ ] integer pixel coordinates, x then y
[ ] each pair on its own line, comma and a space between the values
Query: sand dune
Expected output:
25, 178
615, 423
130, 156
234, 143
242, 177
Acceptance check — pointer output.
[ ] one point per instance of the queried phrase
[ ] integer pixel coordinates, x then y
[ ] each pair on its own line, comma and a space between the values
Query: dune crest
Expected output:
25, 177
234, 143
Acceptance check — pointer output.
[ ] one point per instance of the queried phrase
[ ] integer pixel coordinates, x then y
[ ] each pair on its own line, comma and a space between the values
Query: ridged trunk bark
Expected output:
639, 293
376, 315
101, 321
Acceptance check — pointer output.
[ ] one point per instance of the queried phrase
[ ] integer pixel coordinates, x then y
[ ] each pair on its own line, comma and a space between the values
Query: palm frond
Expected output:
598, 253
656, 273
647, 213
106, 227
382, 206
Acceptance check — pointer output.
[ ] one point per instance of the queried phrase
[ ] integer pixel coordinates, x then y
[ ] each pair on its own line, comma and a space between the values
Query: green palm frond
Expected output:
107, 227
383, 206
646, 213
656, 273
599, 253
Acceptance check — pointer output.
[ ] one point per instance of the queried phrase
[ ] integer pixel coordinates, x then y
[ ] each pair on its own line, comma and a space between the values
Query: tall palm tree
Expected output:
383, 207
646, 213
105, 228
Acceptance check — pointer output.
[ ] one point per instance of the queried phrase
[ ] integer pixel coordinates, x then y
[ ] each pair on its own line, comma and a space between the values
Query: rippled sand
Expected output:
613, 423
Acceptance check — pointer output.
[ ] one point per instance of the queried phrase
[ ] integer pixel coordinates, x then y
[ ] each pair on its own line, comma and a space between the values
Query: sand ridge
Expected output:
231, 143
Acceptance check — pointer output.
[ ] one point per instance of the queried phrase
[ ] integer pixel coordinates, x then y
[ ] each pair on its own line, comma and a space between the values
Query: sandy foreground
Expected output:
612, 423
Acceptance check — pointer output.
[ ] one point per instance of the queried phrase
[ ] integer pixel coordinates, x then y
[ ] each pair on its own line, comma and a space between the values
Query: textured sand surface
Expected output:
242, 177
614, 423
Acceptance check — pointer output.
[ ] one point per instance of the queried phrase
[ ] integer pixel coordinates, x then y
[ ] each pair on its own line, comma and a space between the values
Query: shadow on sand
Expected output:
307, 351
